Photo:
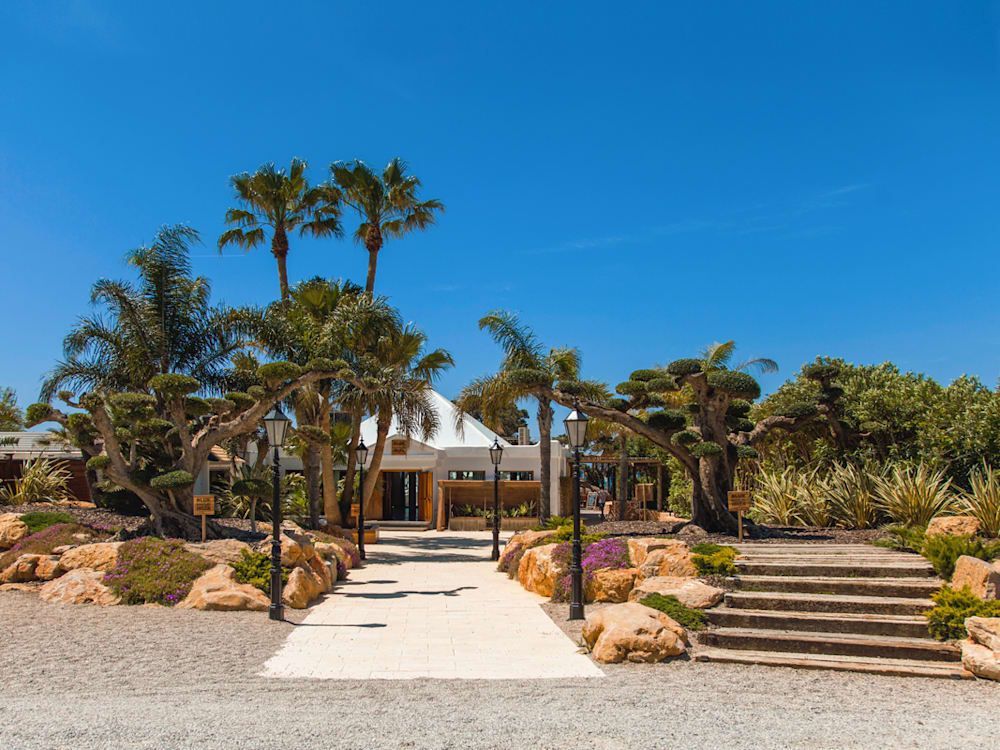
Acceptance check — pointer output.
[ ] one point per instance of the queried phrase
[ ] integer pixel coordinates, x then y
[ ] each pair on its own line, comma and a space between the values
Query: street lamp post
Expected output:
361, 453
276, 424
576, 430
496, 453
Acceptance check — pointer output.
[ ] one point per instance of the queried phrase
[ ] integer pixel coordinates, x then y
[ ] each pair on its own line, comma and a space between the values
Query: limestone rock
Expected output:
980, 576
537, 572
639, 548
689, 591
980, 660
62, 549
672, 559
524, 539
953, 526
219, 551
322, 569
984, 631
12, 530
101, 556
294, 547
21, 570
303, 587
49, 567
350, 549
611, 584
31, 587
632, 632
79, 586
217, 589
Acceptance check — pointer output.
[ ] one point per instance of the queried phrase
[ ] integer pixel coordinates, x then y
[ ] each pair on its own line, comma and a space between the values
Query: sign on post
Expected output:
739, 502
204, 506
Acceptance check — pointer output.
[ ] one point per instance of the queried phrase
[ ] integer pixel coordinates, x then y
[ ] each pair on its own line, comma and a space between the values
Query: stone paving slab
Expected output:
429, 605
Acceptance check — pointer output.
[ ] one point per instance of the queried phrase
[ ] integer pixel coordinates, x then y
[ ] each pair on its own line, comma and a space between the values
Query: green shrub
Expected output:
984, 501
152, 570
255, 568
946, 620
46, 540
902, 538
172, 480
41, 520
692, 619
914, 495
943, 551
713, 559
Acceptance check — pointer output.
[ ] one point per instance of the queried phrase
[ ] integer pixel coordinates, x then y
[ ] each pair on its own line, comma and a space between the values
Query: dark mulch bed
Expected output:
757, 533
110, 521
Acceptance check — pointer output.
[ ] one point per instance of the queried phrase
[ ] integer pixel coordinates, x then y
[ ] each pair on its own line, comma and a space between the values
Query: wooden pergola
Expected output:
643, 492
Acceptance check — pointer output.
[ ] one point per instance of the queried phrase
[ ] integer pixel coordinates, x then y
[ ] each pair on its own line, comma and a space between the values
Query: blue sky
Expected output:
635, 179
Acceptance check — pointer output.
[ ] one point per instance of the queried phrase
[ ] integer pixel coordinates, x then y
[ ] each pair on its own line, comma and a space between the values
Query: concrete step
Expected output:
901, 587
812, 548
784, 601
900, 626
835, 568
402, 525
895, 667
838, 644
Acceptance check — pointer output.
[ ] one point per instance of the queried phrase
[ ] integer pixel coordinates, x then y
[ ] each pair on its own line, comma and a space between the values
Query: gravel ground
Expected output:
142, 677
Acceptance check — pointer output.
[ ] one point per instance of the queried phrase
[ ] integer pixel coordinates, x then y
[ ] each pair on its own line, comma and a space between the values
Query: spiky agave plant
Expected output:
850, 491
983, 502
913, 495
42, 479
776, 500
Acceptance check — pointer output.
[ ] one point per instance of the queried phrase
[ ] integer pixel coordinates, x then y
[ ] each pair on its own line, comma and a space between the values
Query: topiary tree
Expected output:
156, 444
707, 435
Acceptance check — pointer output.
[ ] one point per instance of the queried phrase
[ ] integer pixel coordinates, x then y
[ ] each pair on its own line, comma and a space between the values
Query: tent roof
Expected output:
474, 434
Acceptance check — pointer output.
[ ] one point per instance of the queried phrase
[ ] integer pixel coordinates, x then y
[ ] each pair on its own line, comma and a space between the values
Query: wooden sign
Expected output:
739, 500
399, 447
204, 505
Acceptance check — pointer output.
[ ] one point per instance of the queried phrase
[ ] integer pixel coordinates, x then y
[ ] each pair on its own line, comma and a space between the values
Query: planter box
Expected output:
467, 523
518, 524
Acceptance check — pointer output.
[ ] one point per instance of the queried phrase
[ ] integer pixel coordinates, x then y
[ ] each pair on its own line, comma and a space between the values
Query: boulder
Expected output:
62, 549
303, 587
99, 556
79, 586
982, 578
980, 660
350, 548
321, 568
611, 584
985, 631
689, 591
49, 567
632, 632
294, 547
218, 590
219, 551
639, 548
537, 572
672, 559
25, 587
21, 570
953, 526
12, 530
524, 539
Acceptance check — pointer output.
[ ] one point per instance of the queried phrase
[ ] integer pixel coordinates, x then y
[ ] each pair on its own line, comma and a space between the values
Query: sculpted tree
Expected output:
708, 435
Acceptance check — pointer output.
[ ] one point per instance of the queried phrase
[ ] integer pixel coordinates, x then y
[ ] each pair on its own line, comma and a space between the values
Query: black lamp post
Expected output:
361, 453
276, 424
496, 453
576, 430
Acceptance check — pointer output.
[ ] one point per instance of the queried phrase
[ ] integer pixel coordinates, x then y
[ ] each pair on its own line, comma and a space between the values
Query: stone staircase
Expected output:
847, 607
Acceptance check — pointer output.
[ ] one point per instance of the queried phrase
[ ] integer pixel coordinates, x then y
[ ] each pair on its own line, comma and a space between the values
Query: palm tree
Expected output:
399, 373
270, 197
163, 324
718, 356
387, 205
527, 371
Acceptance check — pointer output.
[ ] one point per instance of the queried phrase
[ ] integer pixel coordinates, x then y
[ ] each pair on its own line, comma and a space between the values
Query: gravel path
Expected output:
142, 677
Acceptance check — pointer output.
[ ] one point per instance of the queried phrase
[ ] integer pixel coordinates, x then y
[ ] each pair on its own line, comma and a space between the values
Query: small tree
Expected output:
708, 435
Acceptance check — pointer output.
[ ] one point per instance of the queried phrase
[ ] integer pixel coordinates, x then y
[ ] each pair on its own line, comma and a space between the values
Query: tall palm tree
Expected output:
162, 324
527, 371
719, 356
270, 197
387, 205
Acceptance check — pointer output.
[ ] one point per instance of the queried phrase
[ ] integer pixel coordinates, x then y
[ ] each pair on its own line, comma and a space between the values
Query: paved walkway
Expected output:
429, 604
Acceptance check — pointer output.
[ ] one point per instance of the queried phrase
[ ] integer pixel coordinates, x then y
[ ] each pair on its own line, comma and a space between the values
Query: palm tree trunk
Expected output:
348, 497
375, 468
330, 508
622, 475
310, 467
373, 243
545, 457
279, 248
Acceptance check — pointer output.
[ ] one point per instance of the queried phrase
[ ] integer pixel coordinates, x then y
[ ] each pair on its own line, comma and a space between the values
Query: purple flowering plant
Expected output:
611, 552
152, 570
